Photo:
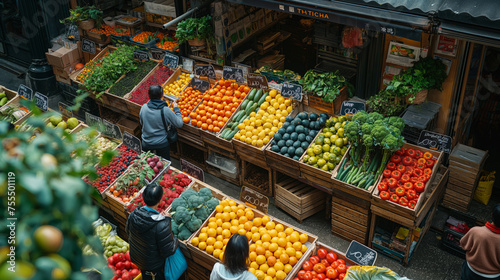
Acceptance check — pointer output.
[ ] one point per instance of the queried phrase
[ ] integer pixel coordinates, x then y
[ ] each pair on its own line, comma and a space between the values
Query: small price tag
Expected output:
361, 254
205, 71
112, 130
350, 108
435, 141
257, 81
199, 84
158, 54
192, 170
92, 120
141, 56
292, 91
41, 101
233, 73
25, 92
254, 199
170, 60
188, 64
132, 142
63, 108
88, 46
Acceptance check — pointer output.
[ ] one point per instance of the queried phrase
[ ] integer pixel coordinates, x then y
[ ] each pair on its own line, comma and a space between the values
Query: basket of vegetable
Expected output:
325, 91
145, 39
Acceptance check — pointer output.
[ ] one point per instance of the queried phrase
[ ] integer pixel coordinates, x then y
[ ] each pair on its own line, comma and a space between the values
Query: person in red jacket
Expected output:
482, 247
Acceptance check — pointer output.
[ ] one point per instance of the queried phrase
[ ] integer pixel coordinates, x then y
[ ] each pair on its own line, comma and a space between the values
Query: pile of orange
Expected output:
219, 103
188, 100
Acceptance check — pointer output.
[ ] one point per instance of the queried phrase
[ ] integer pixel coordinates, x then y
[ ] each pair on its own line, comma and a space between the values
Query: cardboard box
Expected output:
160, 7
63, 57
66, 71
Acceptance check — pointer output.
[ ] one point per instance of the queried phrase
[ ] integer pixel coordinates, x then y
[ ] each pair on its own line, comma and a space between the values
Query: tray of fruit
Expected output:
14, 112
6, 95
177, 83
145, 39
158, 164
68, 124
159, 75
167, 43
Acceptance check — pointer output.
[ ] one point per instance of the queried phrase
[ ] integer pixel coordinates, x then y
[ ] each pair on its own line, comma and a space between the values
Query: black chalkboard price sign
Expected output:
157, 54
112, 130
170, 60
434, 141
132, 142
254, 199
88, 46
361, 254
257, 81
25, 92
199, 84
92, 120
141, 56
351, 107
192, 170
233, 73
292, 91
41, 101
205, 71
63, 108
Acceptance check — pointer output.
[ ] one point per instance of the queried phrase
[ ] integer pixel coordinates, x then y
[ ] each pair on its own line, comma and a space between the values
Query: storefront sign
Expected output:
435, 141
446, 45
292, 91
141, 56
92, 120
157, 54
41, 101
63, 108
257, 81
401, 54
112, 130
88, 46
233, 73
170, 60
25, 92
254, 199
361, 254
132, 142
192, 170
205, 71
351, 108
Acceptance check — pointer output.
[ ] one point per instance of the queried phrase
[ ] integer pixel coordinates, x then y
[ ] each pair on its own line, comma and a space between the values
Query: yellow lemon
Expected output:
270, 225
288, 268
279, 227
303, 238
280, 275
203, 237
202, 246
273, 247
210, 241
210, 249
254, 265
195, 241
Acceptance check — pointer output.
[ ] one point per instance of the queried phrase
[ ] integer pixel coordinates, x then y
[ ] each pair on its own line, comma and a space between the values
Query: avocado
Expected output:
304, 145
277, 136
285, 125
309, 138
281, 143
299, 151
296, 144
299, 129
290, 129
296, 122
289, 143
283, 150
287, 155
301, 137
281, 131
313, 116
275, 148
313, 133
291, 150
294, 136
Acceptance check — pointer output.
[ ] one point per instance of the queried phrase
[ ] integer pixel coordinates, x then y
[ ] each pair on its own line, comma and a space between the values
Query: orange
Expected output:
202, 246
280, 275
203, 237
298, 254
195, 241
278, 253
264, 267
255, 236
282, 242
304, 248
260, 250
265, 244
303, 238
271, 261
212, 232
211, 241
252, 247
269, 254
284, 258
210, 249
260, 259
271, 272
290, 251
248, 225
279, 266
292, 261
226, 225
265, 219
273, 247
257, 222
249, 214
242, 219
226, 233
270, 225
249, 235
252, 256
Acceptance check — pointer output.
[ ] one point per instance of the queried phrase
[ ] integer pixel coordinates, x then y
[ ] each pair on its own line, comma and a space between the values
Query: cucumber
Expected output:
224, 132
249, 104
3, 101
262, 99
237, 115
231, 135
234, 126
254, 107
250, 109
251, 94
257, 96
244, 104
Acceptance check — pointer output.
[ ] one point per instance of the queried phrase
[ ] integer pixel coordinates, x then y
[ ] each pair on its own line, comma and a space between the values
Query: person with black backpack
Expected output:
159, 123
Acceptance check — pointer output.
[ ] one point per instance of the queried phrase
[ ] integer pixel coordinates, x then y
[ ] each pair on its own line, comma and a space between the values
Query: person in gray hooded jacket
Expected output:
235, 261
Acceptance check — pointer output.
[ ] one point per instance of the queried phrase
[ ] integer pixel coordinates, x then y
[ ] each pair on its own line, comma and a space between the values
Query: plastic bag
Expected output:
175, 265
371, 273
485, 187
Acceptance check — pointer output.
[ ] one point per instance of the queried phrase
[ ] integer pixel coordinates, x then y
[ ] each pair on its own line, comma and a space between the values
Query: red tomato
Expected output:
394, 198
341, 268
401, 168
385, 195
396, 174
296, 278
322, 276
334, 264
392, 183
319, 268
308, 276
307, 266
331, 257
387, 173
382, 186
314, 273
403, 201
331, 273
325, 262
419, 187
391, 165
341, 276
314, 260
341, 261
396, 159
322, 253
301, 274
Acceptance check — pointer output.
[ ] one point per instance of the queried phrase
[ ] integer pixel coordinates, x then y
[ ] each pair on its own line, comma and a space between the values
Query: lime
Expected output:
317, 149
312, 160
338, 125
310, 152
327, 141
321, 162
326, 148
339, 142
326, 155
340, 132
325, 168
325, 130
319, 140
315, 165
336, 150
345, 141
331, 158
343, 150
338, 159
306, 158
333, 138
330, 165
328, 134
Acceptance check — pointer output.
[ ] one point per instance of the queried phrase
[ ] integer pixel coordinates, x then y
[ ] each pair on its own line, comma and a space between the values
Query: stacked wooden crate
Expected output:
465, 169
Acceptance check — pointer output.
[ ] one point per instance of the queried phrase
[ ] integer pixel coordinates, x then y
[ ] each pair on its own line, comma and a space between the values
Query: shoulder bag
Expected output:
171, 130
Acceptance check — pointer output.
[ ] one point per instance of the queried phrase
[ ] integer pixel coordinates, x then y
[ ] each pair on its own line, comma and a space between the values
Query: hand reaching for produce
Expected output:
165, 213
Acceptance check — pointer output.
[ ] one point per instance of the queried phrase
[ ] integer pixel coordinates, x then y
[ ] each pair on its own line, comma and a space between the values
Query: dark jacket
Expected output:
154, 133
151, 239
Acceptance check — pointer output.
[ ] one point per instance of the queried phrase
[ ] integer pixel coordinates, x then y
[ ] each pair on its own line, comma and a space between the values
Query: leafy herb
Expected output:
193, 28
84, 13
385, 103
327, 85
133, 78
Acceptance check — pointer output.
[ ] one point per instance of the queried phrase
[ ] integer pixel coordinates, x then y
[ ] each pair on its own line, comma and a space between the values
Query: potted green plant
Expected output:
85, 17
196, 31
414, 83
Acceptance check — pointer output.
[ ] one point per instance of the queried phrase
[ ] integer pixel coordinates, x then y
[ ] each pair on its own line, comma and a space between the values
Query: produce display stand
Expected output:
218, 172
98, 56
296, 198
121, 120
195, 271
331, 108
195, 153
16, 102
426, 211
257, 177
10, 94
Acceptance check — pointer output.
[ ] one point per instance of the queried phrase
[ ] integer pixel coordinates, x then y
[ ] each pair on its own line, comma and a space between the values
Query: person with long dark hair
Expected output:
235, 261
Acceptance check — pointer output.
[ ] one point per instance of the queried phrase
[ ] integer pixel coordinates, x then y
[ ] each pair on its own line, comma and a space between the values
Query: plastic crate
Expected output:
146, 46
227, 166
451, 238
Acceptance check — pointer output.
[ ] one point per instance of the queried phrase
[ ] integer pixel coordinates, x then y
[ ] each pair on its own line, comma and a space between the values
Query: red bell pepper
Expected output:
384, 195
428, 171
418, 172
408, 186
420, 166
387, 173
396, 174
394, 198
396, 159
429, 163
403, 201
385, 180
391, 165
401, 168
419, 154
409, 170
427, 155
405, 178
412, 204
414, 179
421, 160
400, 152
411, 194
400, 191
391, 182
410, 152
419, 187
382, 187
423, 178
400, 183
407, 160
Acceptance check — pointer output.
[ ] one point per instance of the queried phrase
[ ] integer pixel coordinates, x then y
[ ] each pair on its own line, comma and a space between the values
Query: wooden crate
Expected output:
190, 134
251, 153
350, 216
173, 78
217, 172
353, 190
98, 56
197, 155
249, 171
196, 271
298, 199
315, 175
332, 108
16, 103
10, 94
401, 210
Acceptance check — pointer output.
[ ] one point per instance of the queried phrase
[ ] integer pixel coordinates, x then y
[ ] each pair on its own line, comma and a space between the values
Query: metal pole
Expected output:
185, 15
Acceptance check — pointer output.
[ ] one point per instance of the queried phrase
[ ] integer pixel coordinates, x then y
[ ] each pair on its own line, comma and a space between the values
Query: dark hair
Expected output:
152, 194
155, 92
236, 254
496, 215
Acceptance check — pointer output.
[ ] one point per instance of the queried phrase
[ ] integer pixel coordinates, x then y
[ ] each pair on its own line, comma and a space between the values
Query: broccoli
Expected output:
178, 202
202, 213
184, 234
175, 227
368, 143
352, 131
182, 215
194, 224
373, 117
188, 193
390, 144
195, 201
211, 204
205, 193
379, 132
360, 117
397, 123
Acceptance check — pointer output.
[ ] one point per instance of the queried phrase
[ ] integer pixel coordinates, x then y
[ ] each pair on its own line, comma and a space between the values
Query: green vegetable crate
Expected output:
330, 108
